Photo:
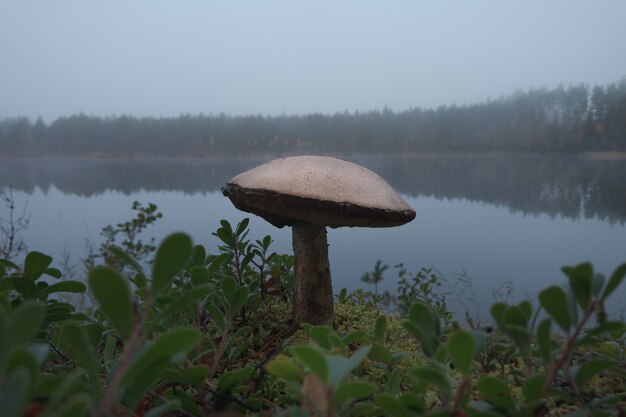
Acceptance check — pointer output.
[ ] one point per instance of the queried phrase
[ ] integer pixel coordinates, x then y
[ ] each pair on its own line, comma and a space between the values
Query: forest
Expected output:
564, 119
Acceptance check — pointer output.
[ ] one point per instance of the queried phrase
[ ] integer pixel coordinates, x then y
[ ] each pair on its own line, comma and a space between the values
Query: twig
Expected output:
136, 337
61, 354
460, 394
569, 345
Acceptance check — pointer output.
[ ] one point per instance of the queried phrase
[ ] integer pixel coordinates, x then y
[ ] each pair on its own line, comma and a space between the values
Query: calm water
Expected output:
507, 221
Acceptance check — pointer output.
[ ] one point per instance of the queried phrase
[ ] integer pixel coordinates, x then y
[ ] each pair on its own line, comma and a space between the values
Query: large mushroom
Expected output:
310, 193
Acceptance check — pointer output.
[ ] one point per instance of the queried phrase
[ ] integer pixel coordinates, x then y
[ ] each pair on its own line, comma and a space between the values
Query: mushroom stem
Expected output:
313, 292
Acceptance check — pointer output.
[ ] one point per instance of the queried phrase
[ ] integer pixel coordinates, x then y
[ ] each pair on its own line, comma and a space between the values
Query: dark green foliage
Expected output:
211, 333
111, 292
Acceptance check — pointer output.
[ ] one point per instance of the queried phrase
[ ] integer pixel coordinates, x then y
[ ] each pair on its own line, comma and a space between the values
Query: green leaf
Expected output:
184, 300
80, 349
109, 349
24, 323
516, 315
195, 375
199, 275
554, 300
340, 367
239, 299
413, 402
361, 409
521, 338
218, 316
544, 340
133, 390
423, 316
380, 328
198, 255
283, 367
160, 410
113, 296
167, 345
230, 379
216, 262
242, 226
497, 393
355, 390
63, 286
320, 334
171, 257
425, 326
53, 272
461, 350
392, 386
14, 393
436, 377
64, 387
580, 281
126, 259
497, 312
313, 359
9, 265
597, 284
76, 406
527, 309
357, 336
572, 306
23, 359
229, 287
36, 264
590, 368
391, 406
533, 386
615, 281
140, 281
24, 286
56, 311
380, 353
225, 234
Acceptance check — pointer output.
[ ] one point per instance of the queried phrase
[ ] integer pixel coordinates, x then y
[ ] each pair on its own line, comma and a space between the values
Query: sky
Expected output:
166, 58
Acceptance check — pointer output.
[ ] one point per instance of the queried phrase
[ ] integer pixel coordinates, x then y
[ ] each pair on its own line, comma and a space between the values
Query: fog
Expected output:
164, 58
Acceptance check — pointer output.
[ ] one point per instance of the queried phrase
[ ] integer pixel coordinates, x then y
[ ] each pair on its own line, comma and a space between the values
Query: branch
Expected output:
569, 345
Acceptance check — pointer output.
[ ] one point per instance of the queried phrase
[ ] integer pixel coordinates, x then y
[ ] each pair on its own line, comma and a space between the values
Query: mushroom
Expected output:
310, 193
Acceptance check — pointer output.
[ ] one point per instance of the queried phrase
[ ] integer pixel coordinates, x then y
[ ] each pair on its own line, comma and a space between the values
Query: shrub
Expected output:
204, 333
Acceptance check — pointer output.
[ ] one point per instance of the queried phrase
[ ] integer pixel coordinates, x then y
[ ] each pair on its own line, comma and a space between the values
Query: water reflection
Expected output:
569, 186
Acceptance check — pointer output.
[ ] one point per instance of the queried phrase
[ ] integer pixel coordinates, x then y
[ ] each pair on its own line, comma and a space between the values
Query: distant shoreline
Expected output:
593, 155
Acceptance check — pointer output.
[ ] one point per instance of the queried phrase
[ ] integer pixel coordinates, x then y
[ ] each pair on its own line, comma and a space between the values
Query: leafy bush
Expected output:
204, 333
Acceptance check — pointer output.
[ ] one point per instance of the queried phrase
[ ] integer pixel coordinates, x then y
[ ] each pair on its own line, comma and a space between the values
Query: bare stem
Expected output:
108, 400
569, 346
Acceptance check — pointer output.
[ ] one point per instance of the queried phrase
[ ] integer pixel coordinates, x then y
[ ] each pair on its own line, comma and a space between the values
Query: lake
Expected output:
508, 222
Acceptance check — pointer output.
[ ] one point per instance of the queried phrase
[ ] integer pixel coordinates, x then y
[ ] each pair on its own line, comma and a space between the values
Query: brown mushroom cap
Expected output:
319, 190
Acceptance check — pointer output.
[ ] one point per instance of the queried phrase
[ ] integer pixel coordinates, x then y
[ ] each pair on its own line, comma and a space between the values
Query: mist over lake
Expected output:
505, 221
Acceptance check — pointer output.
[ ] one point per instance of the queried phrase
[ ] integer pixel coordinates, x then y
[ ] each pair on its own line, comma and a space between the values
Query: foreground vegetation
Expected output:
201, 334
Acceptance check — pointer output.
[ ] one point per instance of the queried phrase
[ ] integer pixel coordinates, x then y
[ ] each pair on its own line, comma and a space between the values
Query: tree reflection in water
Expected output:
568, 186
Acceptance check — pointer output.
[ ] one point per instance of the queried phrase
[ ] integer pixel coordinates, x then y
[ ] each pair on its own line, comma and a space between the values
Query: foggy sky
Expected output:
164, 58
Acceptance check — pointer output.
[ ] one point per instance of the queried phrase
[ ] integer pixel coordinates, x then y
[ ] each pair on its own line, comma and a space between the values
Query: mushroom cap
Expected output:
319, 190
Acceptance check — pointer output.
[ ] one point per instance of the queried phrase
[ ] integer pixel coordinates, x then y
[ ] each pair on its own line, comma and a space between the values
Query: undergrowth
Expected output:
193, 333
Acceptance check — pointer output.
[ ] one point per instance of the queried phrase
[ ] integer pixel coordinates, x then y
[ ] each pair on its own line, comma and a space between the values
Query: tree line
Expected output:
563, 119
